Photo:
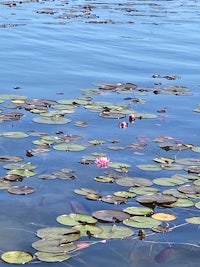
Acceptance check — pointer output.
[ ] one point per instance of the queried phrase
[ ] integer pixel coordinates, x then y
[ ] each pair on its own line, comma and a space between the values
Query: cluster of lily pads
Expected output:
149, 195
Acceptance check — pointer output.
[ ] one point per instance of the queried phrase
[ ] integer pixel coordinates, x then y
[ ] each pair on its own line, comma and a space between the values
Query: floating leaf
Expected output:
124, 194
163, 216
104, 179
110, 215
114, 199
21, 190
184, 203
196, 149
141, 222
69, 147
156, 199
138, 210
197, 205
51, 120
63, 233
16, 257
169, 181
189, 189
14, 134
143, 190
188, 161
133, 181
85, 191
114, 232
24, 173
149, 167
7, 158
88, 230
75, 219
52, 257
193, 220
4, 184
164, 160
20, 166
119, 165
54, 246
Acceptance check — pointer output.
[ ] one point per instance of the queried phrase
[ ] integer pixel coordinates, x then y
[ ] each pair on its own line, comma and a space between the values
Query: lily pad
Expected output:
21, 190
104, 179
69, 147
156, 199
169, 181
22, 172
63, 233
124, 194
54, 246
114, 199
20, 166
16, 257
138, 210
73, 219
184, 203
110, 215
189, 189
51, 120
193, 220
14, 134
133, 181
52, 257
163, 216
149, 167
9, 158
141, 222
87, 229
143, 190
114, 232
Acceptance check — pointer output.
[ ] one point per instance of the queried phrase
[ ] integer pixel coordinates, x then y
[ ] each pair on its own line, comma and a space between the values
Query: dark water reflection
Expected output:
50, 48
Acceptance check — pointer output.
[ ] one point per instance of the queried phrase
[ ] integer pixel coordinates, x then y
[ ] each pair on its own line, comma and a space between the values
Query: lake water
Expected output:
57, 49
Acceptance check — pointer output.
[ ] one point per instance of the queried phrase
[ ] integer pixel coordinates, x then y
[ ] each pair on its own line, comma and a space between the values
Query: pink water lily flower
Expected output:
102, 162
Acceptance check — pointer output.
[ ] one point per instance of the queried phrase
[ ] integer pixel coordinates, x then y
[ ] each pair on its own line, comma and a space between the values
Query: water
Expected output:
53, 49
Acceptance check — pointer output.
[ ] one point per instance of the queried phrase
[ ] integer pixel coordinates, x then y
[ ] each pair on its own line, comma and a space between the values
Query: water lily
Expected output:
123, 124
102, 162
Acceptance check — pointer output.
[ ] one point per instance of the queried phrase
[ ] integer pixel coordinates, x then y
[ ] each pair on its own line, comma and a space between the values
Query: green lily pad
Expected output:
24, 173
114, 232
149, 167
52, 257
169, 181
138, 210
124, 194
182, 202
104, 179
133, 181
14, 134
51, 120
73, 219
16, 257
85, 191
63, 233
118, 165
20, 166
54, 246
69, 147
111, 199
141, 222
88, 229
193, 220
143, 190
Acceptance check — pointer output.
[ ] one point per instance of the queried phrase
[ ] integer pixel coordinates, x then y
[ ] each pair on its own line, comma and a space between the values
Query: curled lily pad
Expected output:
138, 210
16, 257
141, 222
69, 147
75, 219
110, 215
114, 232
52, 257
21, 190
55, 246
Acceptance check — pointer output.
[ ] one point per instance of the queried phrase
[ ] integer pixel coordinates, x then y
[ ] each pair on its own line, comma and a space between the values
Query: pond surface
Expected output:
88, 56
